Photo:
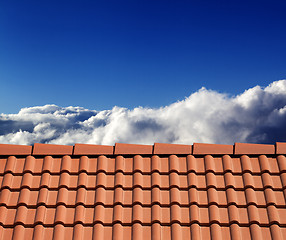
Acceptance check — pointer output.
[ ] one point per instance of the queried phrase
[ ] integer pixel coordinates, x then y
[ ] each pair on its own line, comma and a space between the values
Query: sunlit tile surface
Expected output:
165, 191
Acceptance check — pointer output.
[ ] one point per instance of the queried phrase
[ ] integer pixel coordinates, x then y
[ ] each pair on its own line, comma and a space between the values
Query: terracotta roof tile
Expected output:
249, 148
204, 148
88, 149
9, 149
165, 148
138, 193
122, 148
51, 149
280, 148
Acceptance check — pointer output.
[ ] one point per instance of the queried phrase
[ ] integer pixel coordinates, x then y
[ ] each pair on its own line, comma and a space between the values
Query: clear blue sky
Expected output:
97, 54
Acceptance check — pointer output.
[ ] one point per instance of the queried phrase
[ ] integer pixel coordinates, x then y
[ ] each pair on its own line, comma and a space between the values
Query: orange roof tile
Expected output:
10, 149
51, 149
165, 191
246, 148
204, 148
88, 149
122, 148
165, 148
280, 148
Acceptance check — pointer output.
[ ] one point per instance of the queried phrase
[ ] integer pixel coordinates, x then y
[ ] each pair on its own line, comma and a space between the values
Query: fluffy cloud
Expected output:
258, 115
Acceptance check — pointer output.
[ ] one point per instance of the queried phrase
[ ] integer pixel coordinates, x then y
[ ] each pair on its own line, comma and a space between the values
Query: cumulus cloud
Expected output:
257, 115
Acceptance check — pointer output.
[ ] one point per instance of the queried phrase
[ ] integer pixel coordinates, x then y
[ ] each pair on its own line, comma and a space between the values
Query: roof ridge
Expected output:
140, 149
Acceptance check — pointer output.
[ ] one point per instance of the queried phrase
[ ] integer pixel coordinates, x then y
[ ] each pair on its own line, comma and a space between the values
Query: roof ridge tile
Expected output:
12, 149
280, 147
168, 148
52, 149
157, 148
91, 149
253, 148
206, 148
124, 148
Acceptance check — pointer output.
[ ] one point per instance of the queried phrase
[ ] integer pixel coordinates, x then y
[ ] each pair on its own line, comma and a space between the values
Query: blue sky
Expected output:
98, 54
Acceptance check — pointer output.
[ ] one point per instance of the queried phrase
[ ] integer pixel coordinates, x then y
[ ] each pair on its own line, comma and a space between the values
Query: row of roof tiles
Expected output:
145, 165
157, 148
139, 232
205, 192
144, 215
146, 198
147, 182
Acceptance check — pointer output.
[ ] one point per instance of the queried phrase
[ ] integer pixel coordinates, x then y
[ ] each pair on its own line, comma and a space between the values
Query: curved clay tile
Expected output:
143, 191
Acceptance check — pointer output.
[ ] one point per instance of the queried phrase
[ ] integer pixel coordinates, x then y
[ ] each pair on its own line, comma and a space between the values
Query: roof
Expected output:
128, 191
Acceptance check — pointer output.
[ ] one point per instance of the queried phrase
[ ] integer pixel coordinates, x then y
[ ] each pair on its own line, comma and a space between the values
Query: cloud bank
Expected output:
258, 115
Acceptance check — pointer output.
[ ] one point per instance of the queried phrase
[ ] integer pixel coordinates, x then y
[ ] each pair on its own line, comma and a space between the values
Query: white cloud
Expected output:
257, 115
